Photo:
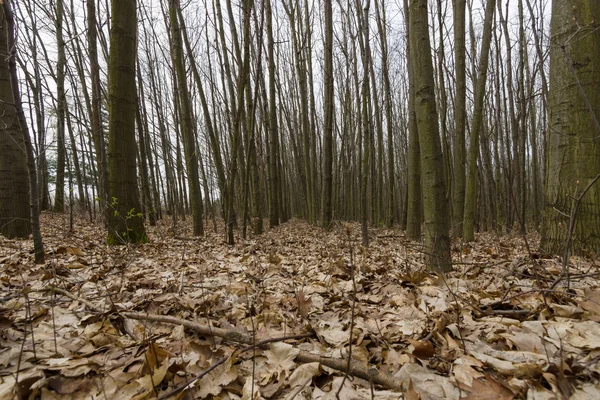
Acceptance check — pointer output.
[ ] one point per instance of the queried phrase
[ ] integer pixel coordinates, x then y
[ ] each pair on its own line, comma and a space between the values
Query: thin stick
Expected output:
572, 220
347, 372
356, 369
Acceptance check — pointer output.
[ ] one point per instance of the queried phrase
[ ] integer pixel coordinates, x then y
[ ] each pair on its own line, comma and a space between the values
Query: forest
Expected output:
299, 199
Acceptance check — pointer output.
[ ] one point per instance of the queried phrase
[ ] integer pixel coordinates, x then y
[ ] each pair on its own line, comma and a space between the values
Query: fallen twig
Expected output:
339, 364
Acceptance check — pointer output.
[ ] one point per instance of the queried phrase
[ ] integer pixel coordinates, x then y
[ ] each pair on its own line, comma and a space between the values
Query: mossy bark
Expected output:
574, 133
435, 206
125, 219
14, 182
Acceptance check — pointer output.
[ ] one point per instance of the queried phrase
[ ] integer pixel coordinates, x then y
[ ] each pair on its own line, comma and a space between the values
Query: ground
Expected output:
139, 322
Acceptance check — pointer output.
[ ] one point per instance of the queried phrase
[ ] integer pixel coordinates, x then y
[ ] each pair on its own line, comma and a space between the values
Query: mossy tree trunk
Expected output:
125, 222
34, 201
14, 182
573, 142
435, 206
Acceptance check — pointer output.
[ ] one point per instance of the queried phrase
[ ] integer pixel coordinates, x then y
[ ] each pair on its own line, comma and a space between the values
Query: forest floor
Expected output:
177, 317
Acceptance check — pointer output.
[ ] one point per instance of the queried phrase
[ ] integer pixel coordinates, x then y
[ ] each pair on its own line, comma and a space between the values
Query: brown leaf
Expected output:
70, 250
423, 350
489, 389
592, 303
304, 304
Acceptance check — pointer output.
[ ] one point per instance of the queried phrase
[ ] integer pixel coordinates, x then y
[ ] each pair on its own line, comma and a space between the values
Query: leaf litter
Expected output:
270, 318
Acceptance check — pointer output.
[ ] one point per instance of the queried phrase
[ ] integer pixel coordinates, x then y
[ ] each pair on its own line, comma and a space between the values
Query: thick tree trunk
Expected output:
573, 145
16, 94
15, 215
126, 223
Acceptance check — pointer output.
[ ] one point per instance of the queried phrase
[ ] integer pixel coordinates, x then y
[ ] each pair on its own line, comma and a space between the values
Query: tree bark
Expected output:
187, 130
328, 118
126, 223
16, 94
437, 239
15, 214
460, 115
471, 194
573, 145
414, 209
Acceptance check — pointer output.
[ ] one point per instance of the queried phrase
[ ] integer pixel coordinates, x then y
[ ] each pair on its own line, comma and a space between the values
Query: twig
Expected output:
572, 220
340, 364
347, 371
251, 311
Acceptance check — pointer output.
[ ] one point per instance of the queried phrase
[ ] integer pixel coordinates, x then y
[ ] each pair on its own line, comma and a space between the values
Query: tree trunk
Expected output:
573, 146
274, 181
126, 223
437, 239
38, 246
460, 115
187, 130
366, 125
414, 211
59, 198
471, 192
328, 117
382, 28
15, 215
96, 117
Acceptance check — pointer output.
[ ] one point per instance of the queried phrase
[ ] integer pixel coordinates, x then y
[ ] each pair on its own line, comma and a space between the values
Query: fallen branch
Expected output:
339, 364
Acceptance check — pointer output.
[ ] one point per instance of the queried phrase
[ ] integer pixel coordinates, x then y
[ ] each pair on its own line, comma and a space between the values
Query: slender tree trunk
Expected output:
274, 188
471, 193
382, 28
328, 110
460, 115
415, 204
96, 117
437, 239
237, 123
59, 199
187, 130
366, 125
